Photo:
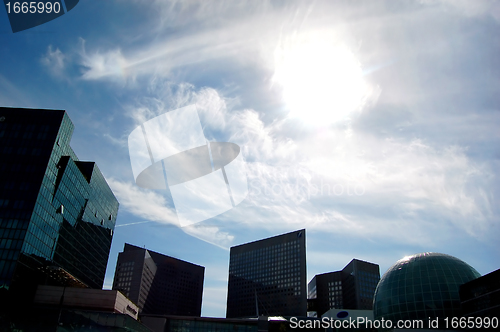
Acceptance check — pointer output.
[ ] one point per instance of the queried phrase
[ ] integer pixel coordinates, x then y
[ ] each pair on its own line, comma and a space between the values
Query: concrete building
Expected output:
159, 284
268, 277
351, 288
86, 299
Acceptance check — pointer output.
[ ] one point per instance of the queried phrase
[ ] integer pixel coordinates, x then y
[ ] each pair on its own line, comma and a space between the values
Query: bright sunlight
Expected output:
322, 82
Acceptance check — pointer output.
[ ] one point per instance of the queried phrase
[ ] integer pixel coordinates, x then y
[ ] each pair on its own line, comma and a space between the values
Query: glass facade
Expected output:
268, 277
56, 212
422, 286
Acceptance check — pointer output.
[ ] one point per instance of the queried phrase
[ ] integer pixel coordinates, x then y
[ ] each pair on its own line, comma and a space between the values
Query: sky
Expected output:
371, 124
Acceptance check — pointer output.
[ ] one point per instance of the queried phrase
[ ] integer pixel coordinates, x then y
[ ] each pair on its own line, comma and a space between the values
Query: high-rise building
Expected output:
57, 214
359, 281
159, 284
268, 277
351, 288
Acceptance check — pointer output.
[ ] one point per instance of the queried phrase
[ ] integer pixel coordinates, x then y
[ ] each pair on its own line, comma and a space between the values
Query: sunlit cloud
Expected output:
55, 61
469, 8
110, 64
313, 178
143, 203
322, 79
375, 127
151, 205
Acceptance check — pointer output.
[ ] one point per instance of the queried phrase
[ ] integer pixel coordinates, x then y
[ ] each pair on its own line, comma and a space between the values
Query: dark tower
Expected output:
268, 277
57, 214
159, 284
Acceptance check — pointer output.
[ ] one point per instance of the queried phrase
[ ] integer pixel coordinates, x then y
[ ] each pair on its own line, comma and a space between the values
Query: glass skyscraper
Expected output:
57, 214
268, 277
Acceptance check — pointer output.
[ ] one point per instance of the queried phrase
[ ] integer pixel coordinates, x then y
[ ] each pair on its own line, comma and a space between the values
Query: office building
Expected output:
481, 297
422, 287
351, 288
359, 281
159, 284
57, 213
268, 277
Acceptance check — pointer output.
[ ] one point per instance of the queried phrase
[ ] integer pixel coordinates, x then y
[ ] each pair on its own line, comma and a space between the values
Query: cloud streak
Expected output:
322, 178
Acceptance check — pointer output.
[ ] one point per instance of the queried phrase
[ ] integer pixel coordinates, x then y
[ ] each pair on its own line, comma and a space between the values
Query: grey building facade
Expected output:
57, 213
159, 284
268, 277
351, 288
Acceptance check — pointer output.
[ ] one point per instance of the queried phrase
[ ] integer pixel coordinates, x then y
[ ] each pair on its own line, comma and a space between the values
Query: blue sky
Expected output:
372, 124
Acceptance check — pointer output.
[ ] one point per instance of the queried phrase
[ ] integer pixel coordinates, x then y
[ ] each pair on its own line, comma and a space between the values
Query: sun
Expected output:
322, 82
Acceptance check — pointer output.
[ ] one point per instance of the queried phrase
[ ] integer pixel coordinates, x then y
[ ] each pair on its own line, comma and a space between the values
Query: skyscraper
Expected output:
351, 288
359, 281
268, 277
159, 284
57, 214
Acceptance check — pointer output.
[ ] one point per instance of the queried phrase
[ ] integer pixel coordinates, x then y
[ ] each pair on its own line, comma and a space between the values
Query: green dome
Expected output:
422, 286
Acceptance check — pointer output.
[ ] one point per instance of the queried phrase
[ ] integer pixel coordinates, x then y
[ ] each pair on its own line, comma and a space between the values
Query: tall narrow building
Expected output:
351, 288
268, 277
359, 281
159, 284
57, 214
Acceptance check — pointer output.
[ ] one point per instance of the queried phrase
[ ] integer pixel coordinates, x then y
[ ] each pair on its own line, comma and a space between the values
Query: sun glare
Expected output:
322, 83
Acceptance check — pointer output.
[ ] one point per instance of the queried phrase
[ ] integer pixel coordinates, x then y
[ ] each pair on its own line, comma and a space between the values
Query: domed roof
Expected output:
422, 286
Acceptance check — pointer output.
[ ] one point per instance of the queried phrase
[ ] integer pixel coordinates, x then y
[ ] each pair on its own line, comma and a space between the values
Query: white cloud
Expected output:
406, 179
247, 32
143, 203
471, 8
104, 65
312, 178
210, 234
55, 61
152, 206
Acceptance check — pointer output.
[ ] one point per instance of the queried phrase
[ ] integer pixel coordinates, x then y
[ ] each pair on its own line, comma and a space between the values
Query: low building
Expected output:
86, 299
351, 288
349, 320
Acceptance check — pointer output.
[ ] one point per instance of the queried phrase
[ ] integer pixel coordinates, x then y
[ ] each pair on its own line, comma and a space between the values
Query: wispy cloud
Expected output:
54, 61
103, 65
470, 8
143, 203
326, 177
153, 206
